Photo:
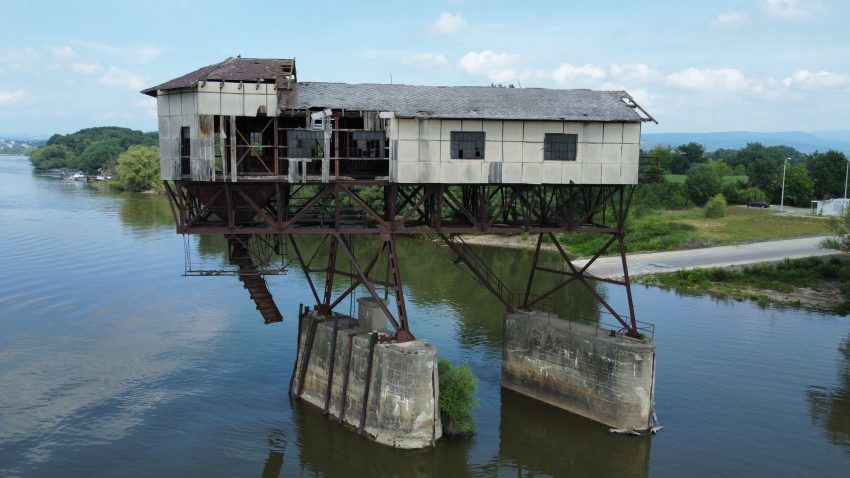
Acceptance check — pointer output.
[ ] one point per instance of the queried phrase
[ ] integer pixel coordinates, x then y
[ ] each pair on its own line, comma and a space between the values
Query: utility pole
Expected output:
782, 198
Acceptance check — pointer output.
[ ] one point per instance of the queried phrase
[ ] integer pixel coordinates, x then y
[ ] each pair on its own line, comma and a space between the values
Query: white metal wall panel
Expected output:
493, 130
493, 151
552, 172
531, 173
631, 133
571, 172
472, 125
511, 173
612, 133
592, 133
611, 173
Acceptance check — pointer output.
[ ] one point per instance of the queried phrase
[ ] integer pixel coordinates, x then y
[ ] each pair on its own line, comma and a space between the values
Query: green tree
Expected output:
721, 167
138, 168
716, 206
702, 183
826, 171
664, 155
685, 156
52, 156
798, 186
457, 386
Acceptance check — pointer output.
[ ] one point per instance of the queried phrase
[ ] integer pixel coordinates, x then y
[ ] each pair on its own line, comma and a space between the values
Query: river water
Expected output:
114, 364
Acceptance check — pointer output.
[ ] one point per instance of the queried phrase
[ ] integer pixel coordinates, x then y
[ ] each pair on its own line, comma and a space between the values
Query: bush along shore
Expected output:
816, 283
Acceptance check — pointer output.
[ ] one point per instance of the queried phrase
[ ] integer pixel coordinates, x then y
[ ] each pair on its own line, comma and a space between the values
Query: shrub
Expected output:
702, 183
457, 385
751, 194
716, 206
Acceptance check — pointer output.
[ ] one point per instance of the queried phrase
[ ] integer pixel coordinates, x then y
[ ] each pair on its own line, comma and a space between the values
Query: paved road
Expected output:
720, 256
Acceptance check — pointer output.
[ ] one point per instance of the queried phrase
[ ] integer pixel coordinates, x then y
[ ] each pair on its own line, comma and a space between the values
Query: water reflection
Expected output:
328, 449
539, 439
830, 407
145, 212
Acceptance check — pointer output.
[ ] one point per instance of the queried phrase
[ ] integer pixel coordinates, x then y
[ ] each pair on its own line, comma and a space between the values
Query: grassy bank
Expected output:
821, 283
672, 230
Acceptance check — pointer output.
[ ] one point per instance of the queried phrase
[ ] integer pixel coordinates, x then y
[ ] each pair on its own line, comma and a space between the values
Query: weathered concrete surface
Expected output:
403, 387
370, 316
580, 368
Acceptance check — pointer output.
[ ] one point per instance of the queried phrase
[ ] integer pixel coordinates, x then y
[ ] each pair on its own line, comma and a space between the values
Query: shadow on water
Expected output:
535, 438
830, 407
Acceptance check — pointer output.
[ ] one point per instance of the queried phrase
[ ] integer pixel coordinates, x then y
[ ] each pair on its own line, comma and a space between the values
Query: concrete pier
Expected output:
580, 368
392, 397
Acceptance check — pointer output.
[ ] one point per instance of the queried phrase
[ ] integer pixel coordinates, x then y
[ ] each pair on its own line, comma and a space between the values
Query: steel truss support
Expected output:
339, 211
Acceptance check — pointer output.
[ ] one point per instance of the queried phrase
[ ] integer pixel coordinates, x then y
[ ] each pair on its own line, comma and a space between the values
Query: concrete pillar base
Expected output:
401, 392
580, 368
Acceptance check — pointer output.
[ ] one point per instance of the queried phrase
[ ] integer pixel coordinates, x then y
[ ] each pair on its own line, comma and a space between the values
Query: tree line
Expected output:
131, 155
752, 173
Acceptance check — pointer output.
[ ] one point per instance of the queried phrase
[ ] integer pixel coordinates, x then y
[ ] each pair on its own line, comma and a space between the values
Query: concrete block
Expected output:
472, 125
629, 173
532, 152
447, 127
470, 172
253, 103
445, 151
401, 410
449, 172
187, 100
429, 172
408, 129
580, 368
631, 153
592, 133
531, 173
232, 104
552, 172
231, 87
511, 173
631, 133
612, 153
591, 173
408, 151
571, 172
611, 173
512, 131
572, 127
553, 127
162, 107
512, 152
209, 103
590, 153
429, 129
493, 151
533, 132
175, 105
272, 105
612, 133
370, 316
429, 151
493, 130
408, 172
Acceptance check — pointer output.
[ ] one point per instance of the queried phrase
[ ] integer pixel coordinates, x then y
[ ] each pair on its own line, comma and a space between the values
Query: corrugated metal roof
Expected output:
463, 102
231, 69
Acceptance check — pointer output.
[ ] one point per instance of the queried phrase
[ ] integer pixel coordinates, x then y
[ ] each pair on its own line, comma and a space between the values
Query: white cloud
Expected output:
448, 23
424, 60
711, 80
567, 74
85, 68
12, 97
637, 72
120, 78
498, 67
806, 79
791, 8
63, 53
733, 19
143, 53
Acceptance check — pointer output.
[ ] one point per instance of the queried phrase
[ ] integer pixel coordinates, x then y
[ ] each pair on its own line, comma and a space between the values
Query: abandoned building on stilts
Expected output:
251, 154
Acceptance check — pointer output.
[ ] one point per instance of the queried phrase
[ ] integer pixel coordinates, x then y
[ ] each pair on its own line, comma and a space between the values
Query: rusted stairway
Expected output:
253, 281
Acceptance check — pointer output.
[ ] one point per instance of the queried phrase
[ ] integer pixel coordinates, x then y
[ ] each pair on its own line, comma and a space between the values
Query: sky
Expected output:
696, 66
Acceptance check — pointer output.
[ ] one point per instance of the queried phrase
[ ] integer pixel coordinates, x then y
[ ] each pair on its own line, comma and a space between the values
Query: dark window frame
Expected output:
560, 147
464, 142
185, 150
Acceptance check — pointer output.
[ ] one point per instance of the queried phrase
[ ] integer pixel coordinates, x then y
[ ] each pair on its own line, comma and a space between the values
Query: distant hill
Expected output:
838, 140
